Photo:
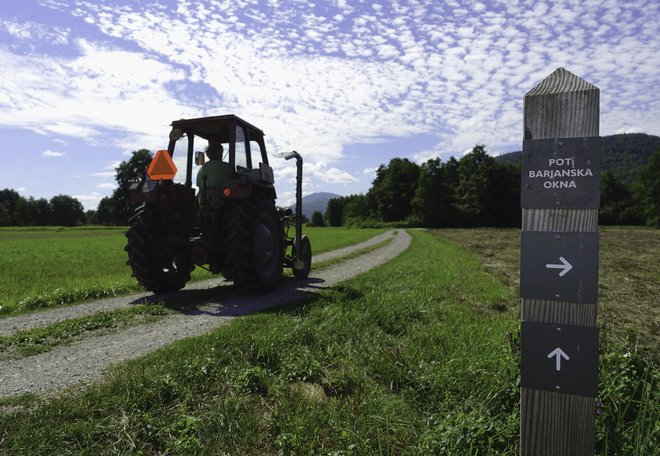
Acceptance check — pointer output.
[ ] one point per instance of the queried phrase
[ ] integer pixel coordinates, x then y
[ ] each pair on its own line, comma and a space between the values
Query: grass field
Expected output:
629, 277
45, 267
419, 356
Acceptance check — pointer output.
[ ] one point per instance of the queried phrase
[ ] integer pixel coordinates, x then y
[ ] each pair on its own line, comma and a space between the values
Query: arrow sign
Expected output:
559, 353
565, 266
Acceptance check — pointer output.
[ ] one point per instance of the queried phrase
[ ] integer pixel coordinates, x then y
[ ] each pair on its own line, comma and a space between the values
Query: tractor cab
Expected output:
243, 153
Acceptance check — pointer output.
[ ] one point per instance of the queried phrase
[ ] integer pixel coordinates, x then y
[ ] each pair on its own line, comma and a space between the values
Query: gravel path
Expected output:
207, 306
11, 325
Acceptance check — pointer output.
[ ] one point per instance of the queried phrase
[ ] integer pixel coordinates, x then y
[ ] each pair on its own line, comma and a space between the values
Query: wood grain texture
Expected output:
559, 431
555, 424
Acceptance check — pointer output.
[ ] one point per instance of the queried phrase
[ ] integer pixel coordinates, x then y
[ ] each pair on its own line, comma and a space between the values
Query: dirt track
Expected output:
205, 305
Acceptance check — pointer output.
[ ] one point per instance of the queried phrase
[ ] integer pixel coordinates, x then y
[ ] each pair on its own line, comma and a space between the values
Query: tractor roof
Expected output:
214, 127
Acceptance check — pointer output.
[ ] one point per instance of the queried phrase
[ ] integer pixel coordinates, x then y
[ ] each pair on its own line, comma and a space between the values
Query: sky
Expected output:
348, 84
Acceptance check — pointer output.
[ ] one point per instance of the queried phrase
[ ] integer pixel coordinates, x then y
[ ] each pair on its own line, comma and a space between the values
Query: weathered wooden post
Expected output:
559, 267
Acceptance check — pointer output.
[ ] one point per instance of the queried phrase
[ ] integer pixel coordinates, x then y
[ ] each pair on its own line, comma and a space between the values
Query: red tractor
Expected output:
230, 225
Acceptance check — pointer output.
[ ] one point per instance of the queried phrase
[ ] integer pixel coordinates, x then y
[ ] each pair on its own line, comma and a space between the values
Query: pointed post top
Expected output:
561, 81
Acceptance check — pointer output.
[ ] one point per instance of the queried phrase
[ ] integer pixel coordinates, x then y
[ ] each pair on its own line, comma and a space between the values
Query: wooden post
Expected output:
551, 422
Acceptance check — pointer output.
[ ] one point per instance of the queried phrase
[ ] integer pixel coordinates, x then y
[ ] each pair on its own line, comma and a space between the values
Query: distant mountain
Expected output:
622, 154
315, 202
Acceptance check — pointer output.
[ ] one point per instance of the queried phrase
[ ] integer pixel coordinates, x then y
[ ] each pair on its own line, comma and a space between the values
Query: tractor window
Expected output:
241, 148
255, 153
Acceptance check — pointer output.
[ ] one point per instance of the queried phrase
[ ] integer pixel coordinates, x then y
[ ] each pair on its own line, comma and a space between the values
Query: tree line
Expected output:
477, 190
480, 190
64, 210
60, 210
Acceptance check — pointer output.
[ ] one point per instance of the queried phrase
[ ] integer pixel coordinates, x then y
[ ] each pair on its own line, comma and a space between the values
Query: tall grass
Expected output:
401, 360
45, 267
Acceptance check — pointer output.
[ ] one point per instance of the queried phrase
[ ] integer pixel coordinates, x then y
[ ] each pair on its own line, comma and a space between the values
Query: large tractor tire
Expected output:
158, 268
255, 240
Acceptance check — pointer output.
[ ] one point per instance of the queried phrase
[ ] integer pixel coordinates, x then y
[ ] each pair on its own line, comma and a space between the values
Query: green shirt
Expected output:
217, 172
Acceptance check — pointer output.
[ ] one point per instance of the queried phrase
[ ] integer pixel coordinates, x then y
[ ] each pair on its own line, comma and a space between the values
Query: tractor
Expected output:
230, 225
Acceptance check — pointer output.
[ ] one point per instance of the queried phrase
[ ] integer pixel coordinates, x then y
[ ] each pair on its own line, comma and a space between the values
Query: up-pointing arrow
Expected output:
559, 353
565, 266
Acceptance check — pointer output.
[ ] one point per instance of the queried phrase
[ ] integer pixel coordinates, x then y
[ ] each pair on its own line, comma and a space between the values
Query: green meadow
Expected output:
419, 356
46, 267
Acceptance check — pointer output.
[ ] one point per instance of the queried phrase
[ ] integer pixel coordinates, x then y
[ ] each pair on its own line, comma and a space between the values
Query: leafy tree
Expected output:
32, 212
356, 209
66, 211
106, 212
90, 217
473, 193
23, 215
4, 216
393, 189
488, 191
334, 211
617, 206
41, 211
317, 219
129, 171
9, 198
647, 190
117, 208
433, 203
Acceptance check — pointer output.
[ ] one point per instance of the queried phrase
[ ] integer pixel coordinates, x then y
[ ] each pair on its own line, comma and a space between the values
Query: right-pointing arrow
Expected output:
565, 266
559, 353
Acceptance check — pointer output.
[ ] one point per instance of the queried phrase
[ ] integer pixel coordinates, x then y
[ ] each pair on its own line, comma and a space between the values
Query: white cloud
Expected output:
89, 201
318, 84
106, 186
52, 153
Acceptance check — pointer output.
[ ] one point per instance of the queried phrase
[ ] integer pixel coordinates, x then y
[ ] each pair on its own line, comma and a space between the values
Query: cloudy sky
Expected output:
348, 84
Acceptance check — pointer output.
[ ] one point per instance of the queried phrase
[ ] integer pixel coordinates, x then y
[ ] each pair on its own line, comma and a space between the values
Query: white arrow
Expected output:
559, 353
566, 266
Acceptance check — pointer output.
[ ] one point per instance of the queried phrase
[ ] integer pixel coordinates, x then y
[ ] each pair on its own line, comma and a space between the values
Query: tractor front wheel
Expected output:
158, 267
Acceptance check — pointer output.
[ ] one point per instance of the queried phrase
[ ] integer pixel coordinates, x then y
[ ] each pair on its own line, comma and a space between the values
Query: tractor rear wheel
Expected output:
302, 261
255, 240
158, 267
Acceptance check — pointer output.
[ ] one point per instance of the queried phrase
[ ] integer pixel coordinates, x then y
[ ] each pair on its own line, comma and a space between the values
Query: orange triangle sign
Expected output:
161, 167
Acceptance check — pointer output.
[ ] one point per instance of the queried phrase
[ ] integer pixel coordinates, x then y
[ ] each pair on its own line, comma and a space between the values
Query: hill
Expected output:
315, 202
622, 154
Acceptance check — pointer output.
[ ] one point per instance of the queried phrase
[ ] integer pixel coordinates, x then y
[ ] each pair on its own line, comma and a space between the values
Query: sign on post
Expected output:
560, 358
559, 267
561, 173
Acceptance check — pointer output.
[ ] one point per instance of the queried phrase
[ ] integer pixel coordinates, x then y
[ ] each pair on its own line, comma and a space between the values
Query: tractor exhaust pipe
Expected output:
299, 175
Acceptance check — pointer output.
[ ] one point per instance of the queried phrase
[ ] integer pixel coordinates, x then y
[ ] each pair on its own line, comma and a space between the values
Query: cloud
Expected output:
89, 201
106, 186
317, 79
52, 153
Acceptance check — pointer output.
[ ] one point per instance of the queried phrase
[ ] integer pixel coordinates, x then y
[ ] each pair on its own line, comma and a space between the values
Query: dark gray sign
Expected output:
560, 358
561, 173
559, 266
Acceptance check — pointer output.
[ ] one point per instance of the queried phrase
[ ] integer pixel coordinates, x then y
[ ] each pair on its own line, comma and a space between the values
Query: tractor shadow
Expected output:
227, 300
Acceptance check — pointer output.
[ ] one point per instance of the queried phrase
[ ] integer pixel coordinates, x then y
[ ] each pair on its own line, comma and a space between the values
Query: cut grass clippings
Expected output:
629, 277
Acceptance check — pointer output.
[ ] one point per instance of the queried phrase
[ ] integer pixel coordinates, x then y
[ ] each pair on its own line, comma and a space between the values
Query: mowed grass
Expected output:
419, 357
629, 277
45, 267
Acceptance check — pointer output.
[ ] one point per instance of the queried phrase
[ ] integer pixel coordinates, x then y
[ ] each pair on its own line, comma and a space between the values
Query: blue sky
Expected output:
348, 84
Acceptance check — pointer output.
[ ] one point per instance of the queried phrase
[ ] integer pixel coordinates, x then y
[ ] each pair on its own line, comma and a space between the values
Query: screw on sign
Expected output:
162, 167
